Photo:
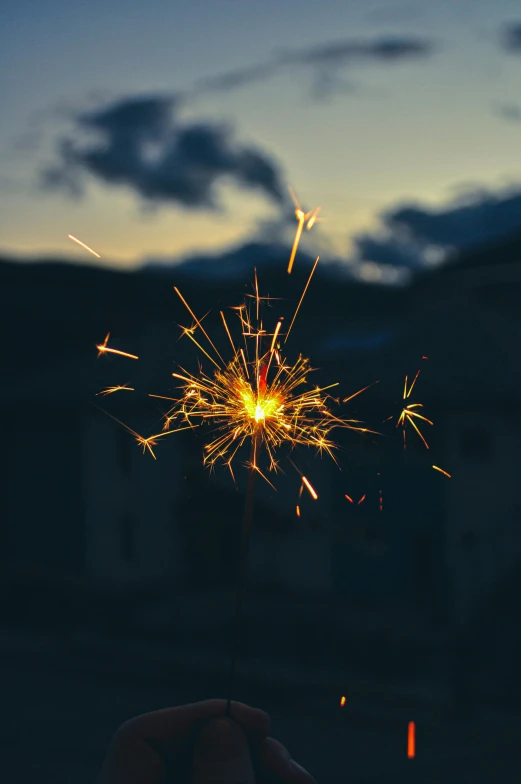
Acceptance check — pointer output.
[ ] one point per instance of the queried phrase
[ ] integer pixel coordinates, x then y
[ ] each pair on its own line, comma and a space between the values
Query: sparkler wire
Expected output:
242, 570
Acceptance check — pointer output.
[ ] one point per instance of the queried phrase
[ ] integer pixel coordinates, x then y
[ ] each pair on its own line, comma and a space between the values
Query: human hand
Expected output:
197, 744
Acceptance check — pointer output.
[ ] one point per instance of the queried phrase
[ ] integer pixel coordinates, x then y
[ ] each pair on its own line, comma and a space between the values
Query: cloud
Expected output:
340, 53
510, 112
325, 61
511, 37
140, 143
414, 236
240, 77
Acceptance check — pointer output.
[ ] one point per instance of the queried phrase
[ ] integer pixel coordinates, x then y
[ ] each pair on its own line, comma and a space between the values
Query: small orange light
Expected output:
298, 511
342, 701
411, 740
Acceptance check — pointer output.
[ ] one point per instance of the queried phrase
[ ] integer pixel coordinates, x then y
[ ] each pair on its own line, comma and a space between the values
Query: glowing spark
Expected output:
408, 415
146, 443
79, 242
185, 303
445, 473
411, 740
297, 508
347, 399
103, 349
412, 385
111, 390
275, 336
302, 297
361, 501
342, 701
349, 498
301, 216
312, 492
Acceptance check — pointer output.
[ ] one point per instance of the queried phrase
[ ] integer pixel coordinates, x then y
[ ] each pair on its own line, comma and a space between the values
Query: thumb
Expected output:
222, 755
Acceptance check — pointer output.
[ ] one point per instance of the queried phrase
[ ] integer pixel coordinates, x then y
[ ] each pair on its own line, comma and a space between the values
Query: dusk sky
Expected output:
207, 111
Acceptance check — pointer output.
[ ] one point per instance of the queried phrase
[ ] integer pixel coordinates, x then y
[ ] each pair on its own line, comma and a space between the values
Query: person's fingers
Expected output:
146, 746
222, 754
131, 760
171, 723
275, 759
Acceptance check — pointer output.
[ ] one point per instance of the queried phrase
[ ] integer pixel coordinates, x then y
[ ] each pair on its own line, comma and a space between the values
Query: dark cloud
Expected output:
387, 250
339, 53
141, 144
416, 236
510, 112
324, 60
511, 37
232, 80
482, 218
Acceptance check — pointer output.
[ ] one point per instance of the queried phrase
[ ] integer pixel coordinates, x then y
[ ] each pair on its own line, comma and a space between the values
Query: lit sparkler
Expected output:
307, 219
257, 397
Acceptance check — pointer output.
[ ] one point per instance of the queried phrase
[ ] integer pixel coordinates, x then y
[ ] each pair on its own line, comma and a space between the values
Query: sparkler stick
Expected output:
242, 572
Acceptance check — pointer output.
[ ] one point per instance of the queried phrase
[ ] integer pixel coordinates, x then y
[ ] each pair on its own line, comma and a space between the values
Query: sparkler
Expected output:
245, 405
257, 398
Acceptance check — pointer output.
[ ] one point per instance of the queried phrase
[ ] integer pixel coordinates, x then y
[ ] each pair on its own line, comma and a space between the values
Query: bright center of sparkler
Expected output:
259, 408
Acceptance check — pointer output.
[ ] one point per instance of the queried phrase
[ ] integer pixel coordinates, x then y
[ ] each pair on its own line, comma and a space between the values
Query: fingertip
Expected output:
253, 719
276, 759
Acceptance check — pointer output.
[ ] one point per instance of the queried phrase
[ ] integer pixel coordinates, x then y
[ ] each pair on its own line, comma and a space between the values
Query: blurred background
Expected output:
166, 139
